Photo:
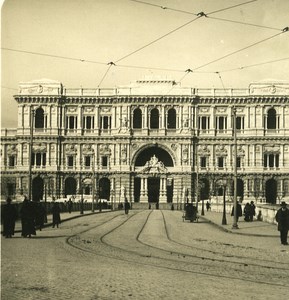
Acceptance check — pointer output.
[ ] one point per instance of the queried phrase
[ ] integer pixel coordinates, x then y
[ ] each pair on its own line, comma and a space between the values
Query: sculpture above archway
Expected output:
154, 166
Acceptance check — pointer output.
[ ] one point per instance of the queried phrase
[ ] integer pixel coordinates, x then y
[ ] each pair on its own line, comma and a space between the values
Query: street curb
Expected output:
235, 232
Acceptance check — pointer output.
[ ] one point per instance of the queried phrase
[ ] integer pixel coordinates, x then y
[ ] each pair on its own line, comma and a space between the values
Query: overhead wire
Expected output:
54, 56
239, 50
230, 7
110, 64
253, 65
199, 15
208, 15
156, 40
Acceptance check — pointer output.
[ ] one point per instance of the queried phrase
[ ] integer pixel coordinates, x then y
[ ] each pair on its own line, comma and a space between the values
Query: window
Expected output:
238, 162
87, 161
11, 161
71, 122
271, 119
239, 123
203, 162
88, 122
221, 162
172, 119
105, 122
39, 118
70, 161
38, 159
154, 120
204, 122
104, 161
137, 118
271, 160
221, 123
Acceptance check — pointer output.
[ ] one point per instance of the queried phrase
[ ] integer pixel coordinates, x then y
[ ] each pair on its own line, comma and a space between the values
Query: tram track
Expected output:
181, 258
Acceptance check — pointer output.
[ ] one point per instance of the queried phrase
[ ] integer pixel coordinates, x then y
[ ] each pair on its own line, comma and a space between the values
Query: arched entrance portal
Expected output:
271, 191
37, 189
152, 182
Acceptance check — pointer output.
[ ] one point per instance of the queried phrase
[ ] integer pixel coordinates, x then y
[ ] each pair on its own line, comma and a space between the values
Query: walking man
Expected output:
282, 217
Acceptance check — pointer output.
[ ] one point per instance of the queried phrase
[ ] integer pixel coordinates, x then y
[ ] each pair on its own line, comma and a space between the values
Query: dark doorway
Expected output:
240, 188
204, 189
104, 188
37, 189
153, 189
271, 191
137, 189
170, 190
70, 186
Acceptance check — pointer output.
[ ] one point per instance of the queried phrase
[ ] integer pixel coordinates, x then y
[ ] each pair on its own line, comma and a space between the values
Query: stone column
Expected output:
163, 190
143, 190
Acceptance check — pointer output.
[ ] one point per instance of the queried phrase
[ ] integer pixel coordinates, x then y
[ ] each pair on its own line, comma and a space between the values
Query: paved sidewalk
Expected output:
255, 228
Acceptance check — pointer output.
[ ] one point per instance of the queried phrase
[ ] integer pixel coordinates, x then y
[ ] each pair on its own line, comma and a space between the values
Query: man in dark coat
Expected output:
239, 211
55, 210
126, 206
27, 212
282, 217
8, 215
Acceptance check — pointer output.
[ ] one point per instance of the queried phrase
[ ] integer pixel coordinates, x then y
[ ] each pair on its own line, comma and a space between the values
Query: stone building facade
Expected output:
151, 141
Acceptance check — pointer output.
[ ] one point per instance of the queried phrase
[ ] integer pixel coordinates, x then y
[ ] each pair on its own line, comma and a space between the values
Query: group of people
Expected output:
249, 211
33, 216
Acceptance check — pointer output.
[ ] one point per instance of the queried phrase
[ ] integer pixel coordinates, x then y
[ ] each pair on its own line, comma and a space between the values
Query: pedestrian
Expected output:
27, 213
208, 205
239, 211
247, 212
55, 210
126, 206
69, 205
40, 216
253, 211
282, 217
8, 216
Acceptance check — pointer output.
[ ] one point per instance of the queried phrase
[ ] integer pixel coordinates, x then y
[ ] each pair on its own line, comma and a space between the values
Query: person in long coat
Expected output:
55, 210
9, 216
247, 212
40, 216
239, 211
282, 217
27, 213
126, 206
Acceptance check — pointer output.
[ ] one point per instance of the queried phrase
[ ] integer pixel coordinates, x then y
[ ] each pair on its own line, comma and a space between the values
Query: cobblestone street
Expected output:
149, 254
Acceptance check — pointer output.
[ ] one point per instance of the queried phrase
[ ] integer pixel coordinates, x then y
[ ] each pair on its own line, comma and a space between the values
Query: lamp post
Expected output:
235, 225
93, 182
45, 197
30, 154
224, 220
81, 200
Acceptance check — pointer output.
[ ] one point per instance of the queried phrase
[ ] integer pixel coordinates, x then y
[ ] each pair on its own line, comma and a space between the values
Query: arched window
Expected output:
271, 119
39, 118
137, 118
154, 120
172, 119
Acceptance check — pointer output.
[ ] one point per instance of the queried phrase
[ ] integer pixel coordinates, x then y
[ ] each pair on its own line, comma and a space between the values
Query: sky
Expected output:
73, 41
